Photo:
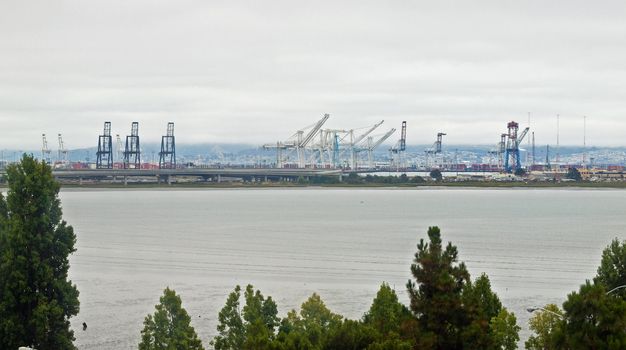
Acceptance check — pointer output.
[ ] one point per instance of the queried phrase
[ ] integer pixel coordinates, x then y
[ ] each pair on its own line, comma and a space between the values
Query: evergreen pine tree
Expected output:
170, 326
436, 293
36, 297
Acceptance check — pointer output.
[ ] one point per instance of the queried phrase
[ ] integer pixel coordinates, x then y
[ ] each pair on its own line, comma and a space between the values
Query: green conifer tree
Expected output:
436, 293
170, 326
36, 297
612, 269
253, 327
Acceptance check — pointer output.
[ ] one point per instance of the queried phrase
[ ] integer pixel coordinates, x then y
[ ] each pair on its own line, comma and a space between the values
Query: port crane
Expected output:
330, 144
355, 142
119, 148
399, 148
512, 161
372, 145
436, 149
297, 142
500, 150
63, 152
45, 151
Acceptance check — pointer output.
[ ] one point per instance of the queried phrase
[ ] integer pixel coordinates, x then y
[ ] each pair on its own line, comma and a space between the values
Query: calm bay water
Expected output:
535, 245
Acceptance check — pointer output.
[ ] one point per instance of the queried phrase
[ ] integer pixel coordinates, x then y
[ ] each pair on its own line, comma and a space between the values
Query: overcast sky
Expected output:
255, 72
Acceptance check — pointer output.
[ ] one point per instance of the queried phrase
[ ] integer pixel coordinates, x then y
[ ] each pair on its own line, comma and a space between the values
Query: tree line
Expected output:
447, 310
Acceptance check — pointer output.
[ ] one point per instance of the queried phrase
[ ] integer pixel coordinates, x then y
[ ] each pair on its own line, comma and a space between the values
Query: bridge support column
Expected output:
80, 181
219, 178
265, 178
125, 180
169, 180
340, 177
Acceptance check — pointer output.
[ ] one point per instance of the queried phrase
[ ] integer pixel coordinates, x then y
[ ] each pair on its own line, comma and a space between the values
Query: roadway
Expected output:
214, 173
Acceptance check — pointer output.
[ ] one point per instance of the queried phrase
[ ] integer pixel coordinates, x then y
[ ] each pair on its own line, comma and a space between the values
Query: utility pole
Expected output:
558, 145
584, 141
533, 149
528, 145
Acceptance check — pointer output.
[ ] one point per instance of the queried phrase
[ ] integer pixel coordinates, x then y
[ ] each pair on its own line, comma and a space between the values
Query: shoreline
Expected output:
285, 186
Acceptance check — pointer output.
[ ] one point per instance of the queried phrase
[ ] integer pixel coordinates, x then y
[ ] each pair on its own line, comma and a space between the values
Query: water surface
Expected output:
535, 245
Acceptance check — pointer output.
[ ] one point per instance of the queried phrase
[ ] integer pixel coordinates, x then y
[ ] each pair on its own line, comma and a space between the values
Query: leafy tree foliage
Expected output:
260, 316
543, 325
230, 328
169, 328
481, 305
612, 269
453, 312
350, 335
436, 296
436, 174
593, 320
36, 297
504, 330
393, 322
447, 311
252, 327
386, 314
312, 326
573, 174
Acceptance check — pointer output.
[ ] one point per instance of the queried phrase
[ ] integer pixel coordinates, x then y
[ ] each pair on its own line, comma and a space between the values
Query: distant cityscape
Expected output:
415, 156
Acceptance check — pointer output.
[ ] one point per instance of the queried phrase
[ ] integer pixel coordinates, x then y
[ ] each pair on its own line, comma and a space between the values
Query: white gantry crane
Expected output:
45, 151
297, 142
63, 154
119, 148
371, 144
354, 149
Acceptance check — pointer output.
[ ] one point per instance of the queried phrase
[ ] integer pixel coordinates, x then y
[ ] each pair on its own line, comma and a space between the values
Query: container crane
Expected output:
299, 144
104, 155
119, 148
372, 145
512, 161
354, 142
499, 150
45, 151
62, 153
132, 151
398, 149
436, 148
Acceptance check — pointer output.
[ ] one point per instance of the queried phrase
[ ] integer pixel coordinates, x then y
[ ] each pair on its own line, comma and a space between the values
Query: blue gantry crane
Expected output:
512, 161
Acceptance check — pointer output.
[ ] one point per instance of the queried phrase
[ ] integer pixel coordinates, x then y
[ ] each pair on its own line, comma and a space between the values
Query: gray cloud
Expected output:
255, 72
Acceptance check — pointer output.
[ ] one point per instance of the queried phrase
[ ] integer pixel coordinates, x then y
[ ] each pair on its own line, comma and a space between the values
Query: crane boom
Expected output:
361, 137
522, 135
382, 139
314, 131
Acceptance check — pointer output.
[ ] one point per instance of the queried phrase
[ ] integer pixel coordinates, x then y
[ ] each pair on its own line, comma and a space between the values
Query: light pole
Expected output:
533, 309
615, 289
